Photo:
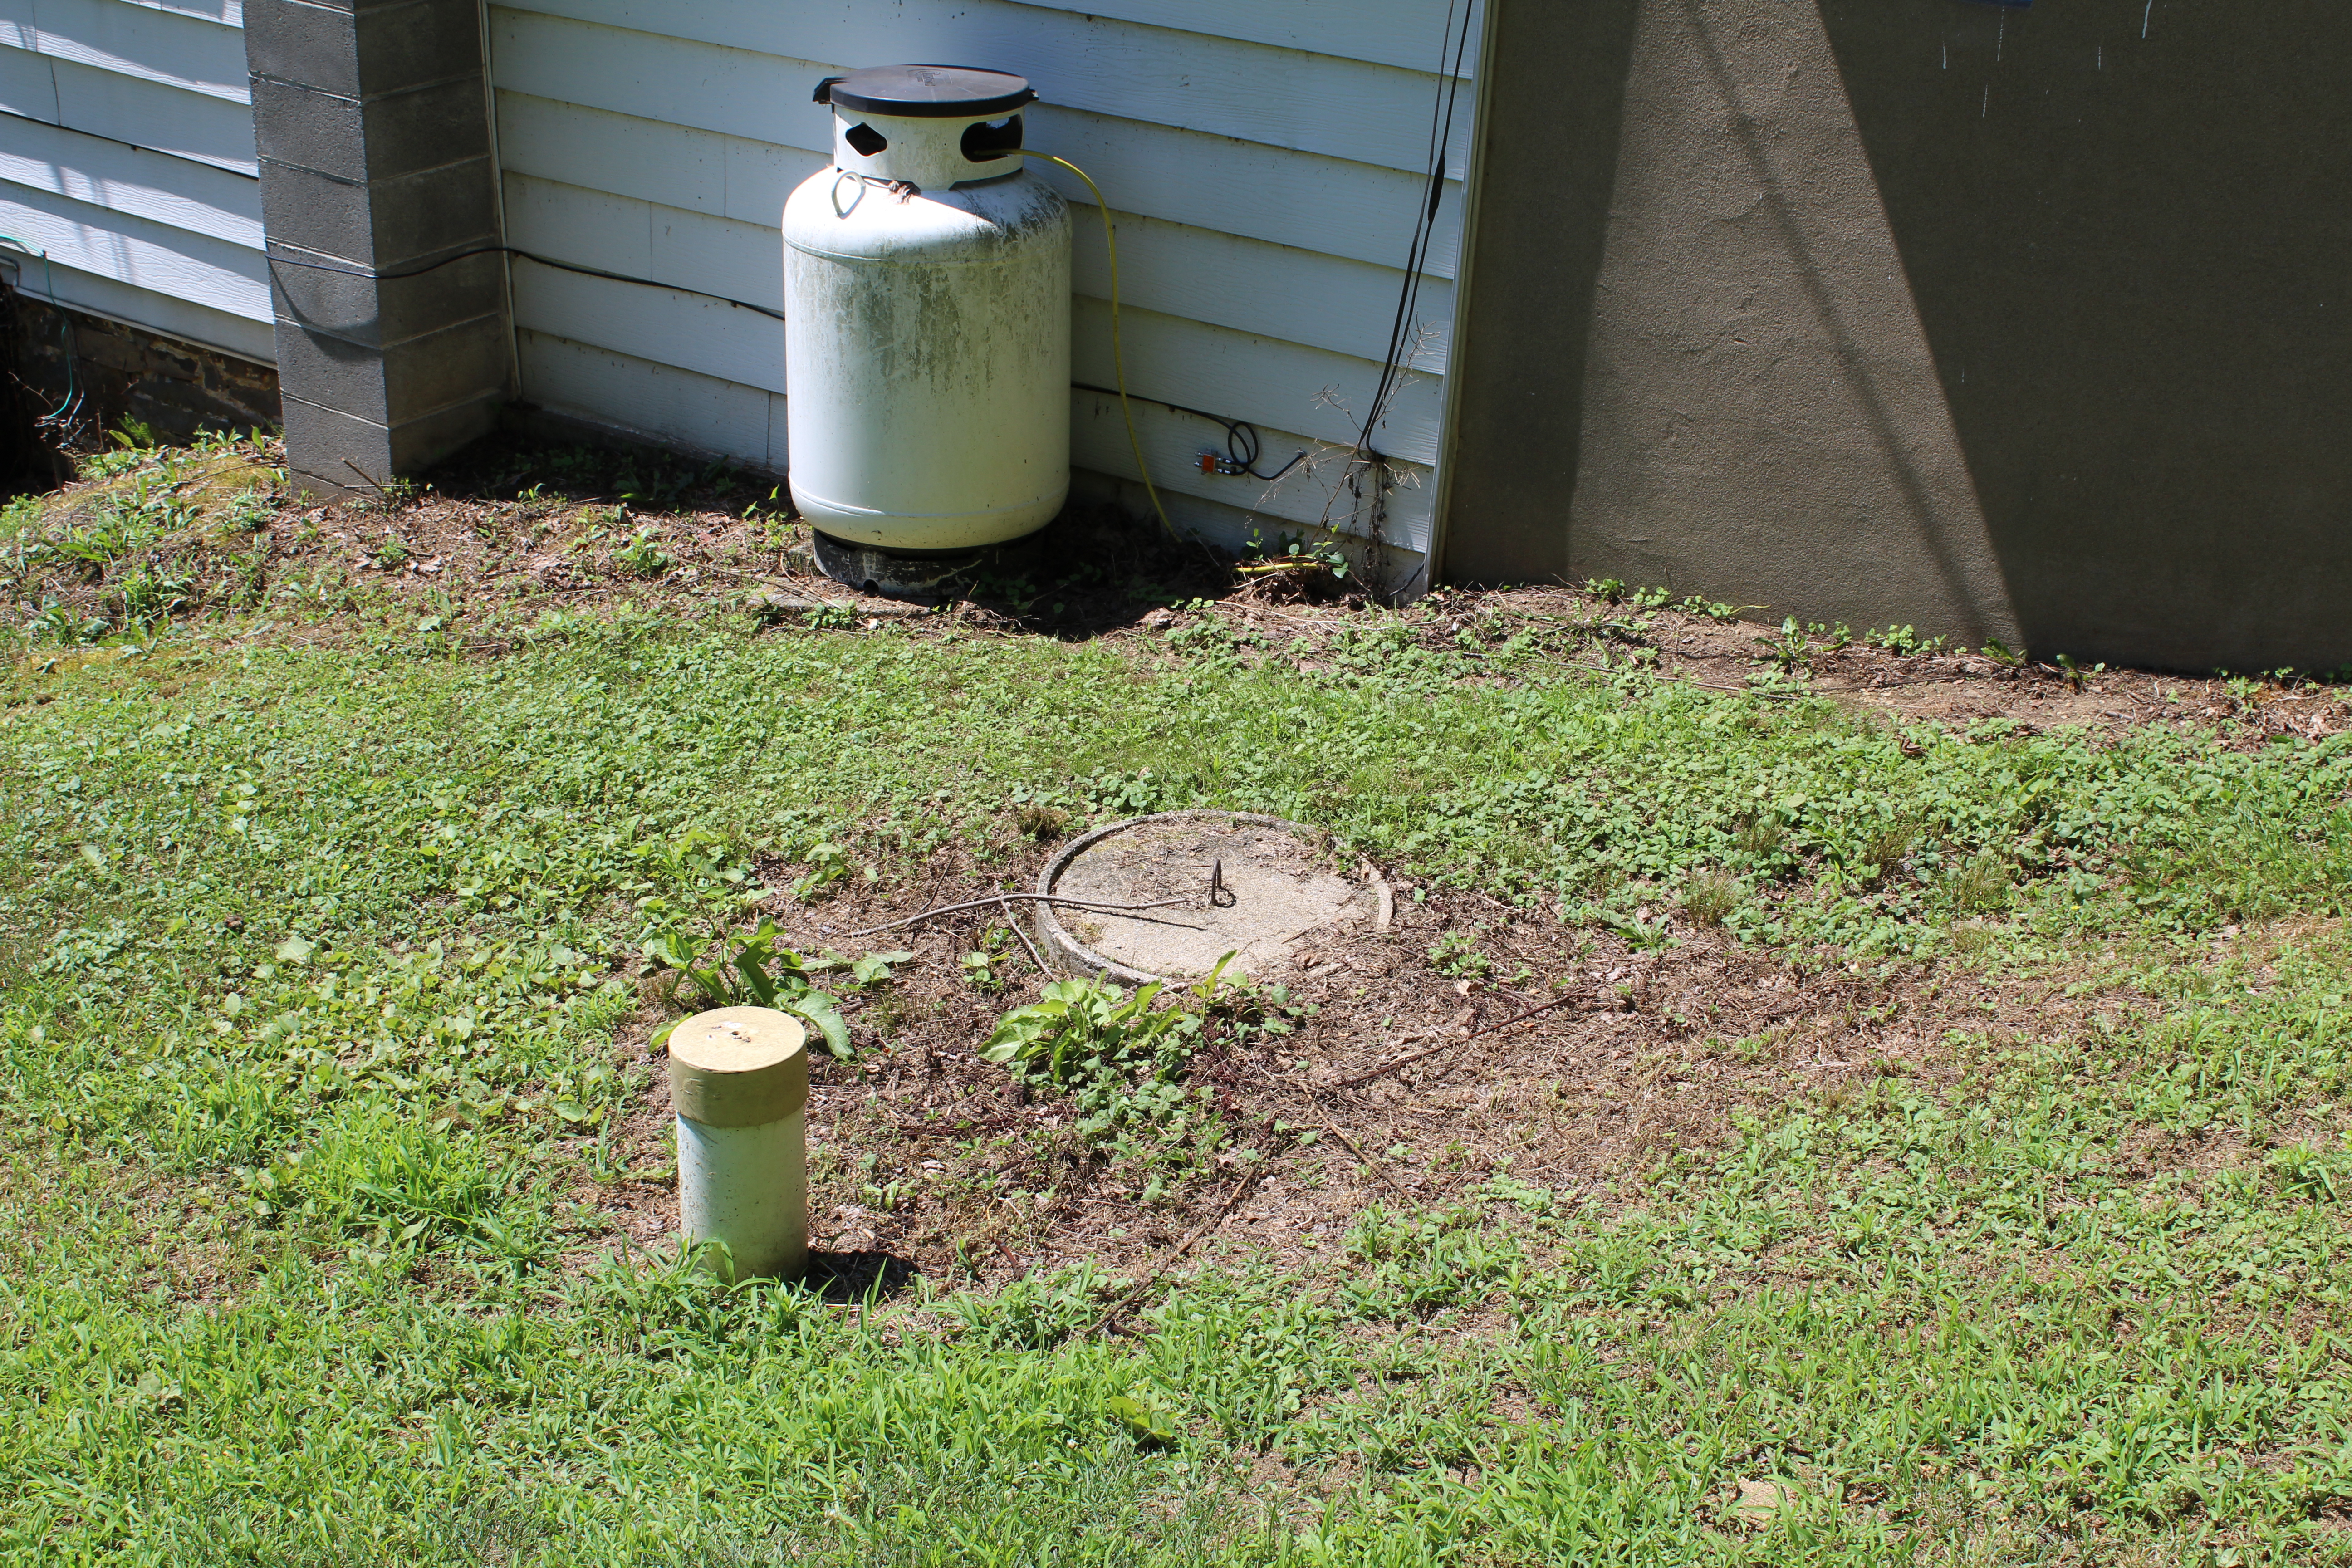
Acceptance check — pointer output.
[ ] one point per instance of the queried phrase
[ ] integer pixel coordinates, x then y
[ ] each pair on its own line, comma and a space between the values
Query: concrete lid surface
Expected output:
1276, 884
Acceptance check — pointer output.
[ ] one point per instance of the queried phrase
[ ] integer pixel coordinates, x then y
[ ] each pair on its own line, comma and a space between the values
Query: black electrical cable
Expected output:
376, 277
1440, 137
1441, 132
1242, 446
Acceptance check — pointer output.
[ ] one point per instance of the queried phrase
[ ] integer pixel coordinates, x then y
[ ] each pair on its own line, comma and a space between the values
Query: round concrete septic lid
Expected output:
1273, 890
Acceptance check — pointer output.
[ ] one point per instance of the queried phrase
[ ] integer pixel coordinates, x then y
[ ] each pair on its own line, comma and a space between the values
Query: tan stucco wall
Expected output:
1997, 321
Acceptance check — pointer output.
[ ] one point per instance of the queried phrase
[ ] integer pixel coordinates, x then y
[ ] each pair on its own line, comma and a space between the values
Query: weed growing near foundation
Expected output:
643, 556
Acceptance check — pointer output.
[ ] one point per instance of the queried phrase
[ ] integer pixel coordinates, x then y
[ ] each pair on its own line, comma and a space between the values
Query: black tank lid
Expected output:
927, 92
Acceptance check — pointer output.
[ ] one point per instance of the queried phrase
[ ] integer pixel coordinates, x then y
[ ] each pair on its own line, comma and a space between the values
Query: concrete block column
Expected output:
372, 121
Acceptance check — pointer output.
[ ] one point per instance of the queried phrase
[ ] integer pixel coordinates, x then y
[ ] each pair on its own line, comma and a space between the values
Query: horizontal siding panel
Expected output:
1400, 33
674, 80
659, 326
170, 190
132, 250
228, 13
703, 171
656, 399
628, 156
1281, 97
1333, 205
149, 114
717, 256
623, 234
1386, 32
168, 47
1173, 443
19, 26
760, 174
145, 308
1295, 199
1267, 382
144, 113
594, 228
28, 84
1271, 292
1274, 384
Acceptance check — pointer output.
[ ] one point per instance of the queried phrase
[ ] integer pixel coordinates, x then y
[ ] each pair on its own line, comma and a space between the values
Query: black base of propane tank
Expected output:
922, 576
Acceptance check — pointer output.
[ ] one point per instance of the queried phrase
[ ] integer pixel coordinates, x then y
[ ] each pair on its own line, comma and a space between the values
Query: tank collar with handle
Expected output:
924, 126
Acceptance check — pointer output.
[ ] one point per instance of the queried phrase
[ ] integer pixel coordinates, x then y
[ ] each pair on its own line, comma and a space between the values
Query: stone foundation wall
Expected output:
121, 372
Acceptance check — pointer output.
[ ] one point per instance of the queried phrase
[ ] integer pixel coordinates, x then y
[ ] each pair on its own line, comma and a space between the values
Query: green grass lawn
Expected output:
316, 952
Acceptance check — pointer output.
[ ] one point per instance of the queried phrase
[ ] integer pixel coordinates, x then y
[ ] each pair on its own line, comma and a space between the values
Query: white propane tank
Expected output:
927, 318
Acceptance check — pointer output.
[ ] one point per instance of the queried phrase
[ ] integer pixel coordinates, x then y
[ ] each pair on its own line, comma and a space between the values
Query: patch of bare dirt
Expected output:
1951, 685
518, 526
1396, 1084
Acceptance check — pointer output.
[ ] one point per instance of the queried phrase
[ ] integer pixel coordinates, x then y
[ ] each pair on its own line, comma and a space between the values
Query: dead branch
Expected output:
1242, 1189
1033, 897
1013, 921
1361, 1158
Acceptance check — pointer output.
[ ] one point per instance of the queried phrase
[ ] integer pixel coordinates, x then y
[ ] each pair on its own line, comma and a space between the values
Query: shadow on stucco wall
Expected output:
2127, 224
1555, 86
1999, 320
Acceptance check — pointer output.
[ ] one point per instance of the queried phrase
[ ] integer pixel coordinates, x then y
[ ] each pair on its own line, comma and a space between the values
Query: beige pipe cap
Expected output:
737, 1066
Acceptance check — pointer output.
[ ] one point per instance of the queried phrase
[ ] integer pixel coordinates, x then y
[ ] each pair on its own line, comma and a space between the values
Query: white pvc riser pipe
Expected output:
739, 1083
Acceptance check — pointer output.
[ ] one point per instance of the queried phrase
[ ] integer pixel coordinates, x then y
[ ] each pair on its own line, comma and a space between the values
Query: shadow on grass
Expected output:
841, 1279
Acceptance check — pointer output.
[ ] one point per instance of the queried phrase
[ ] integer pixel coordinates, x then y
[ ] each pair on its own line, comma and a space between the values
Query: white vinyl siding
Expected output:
1265, 160
126, 154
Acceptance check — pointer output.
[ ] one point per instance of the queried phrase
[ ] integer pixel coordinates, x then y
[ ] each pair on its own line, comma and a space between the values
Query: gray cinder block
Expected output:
372, 121
375, 49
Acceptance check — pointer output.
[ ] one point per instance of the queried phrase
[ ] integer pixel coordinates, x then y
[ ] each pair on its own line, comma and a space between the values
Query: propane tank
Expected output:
927, 318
